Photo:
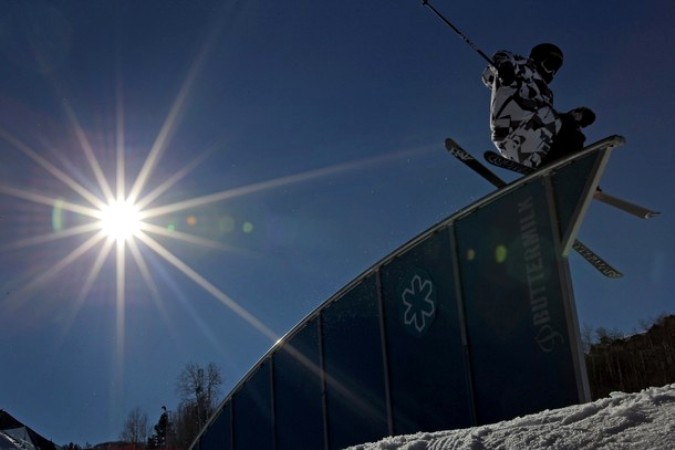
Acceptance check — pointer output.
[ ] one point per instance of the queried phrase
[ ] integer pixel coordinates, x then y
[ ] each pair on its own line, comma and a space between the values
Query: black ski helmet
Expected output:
548, 58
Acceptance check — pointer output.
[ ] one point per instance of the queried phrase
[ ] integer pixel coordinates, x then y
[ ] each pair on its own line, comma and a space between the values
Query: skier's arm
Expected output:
504, 69
505, 65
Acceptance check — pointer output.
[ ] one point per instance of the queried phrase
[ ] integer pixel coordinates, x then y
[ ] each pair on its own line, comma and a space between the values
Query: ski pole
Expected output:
459, 32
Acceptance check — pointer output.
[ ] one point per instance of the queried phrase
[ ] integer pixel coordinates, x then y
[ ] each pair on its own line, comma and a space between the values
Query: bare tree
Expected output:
135, 427
186, 425
198, 388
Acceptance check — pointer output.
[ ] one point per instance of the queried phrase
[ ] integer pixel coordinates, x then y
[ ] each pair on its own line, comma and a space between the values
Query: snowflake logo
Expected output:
419, 304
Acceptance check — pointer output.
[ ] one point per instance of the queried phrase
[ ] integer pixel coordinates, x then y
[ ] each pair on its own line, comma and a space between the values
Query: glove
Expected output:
582, 116
506, 73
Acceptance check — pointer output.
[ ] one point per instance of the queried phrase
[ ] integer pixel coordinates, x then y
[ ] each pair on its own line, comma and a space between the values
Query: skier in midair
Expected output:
525, 127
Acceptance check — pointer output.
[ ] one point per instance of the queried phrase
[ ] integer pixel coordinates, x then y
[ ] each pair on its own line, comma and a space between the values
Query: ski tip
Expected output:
450, 142
652, 214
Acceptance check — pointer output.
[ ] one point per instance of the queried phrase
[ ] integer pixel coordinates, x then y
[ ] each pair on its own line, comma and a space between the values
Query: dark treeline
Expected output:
630, 364
198, 389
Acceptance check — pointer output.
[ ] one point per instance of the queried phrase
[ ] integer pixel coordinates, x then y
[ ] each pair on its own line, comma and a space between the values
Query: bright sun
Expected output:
120, 220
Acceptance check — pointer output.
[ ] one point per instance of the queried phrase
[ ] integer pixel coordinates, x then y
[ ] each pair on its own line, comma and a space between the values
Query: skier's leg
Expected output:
569, 140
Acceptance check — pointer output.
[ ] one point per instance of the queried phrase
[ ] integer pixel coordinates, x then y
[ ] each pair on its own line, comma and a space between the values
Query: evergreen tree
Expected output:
160, 438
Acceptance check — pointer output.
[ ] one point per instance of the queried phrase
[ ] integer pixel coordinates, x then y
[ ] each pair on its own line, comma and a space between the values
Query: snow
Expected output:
644, 420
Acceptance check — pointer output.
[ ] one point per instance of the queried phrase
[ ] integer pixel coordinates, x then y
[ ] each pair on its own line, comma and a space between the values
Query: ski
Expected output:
600, 264
631, 208
498, 160
467, 158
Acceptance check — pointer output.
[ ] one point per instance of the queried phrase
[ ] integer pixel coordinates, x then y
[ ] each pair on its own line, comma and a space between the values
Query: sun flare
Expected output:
129, 222
120, 220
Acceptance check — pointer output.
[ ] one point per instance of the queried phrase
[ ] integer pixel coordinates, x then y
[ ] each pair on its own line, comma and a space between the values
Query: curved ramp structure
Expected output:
471, 322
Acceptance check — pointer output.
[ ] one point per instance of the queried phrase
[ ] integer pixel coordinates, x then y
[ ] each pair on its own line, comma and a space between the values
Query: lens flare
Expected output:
501, 254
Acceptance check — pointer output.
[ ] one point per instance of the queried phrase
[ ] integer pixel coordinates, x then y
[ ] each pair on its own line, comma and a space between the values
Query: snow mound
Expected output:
644, 420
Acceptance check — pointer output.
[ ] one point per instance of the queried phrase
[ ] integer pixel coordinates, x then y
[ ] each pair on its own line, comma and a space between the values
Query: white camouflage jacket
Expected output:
522, 119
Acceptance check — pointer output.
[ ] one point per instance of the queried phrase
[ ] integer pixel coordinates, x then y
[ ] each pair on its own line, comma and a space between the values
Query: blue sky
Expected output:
319, 129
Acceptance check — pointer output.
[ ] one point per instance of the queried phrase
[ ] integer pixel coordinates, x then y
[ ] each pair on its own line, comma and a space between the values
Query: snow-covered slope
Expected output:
644, 420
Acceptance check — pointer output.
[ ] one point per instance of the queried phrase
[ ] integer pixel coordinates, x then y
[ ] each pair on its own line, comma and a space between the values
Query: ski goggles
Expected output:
551, 64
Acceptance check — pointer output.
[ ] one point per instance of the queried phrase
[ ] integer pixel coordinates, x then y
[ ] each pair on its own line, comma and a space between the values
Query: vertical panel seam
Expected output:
466, 350
385, 358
